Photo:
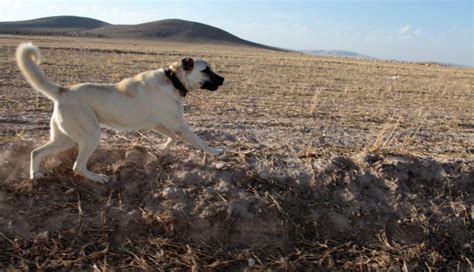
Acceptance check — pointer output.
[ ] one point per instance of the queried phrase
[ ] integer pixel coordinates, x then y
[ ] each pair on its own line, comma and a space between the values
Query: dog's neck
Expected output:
176, 82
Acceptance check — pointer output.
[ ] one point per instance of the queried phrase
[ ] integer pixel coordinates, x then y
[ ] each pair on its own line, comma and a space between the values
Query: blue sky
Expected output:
417, 30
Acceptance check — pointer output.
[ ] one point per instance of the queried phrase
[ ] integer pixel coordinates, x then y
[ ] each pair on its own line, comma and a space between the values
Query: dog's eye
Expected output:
206, 71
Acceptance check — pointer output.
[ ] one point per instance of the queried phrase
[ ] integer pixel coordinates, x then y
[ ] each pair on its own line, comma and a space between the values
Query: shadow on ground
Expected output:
179, 210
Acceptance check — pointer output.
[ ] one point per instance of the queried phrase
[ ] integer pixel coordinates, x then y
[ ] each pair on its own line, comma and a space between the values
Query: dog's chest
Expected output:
162, 103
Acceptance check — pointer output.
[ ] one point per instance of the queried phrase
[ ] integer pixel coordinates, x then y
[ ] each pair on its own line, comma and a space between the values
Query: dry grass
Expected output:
332, 163
348, 99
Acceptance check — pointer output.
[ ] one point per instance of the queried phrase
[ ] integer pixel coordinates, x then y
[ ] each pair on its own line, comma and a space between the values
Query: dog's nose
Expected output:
221, 81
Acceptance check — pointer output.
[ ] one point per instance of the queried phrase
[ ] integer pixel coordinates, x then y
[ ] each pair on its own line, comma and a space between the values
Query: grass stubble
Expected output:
331, 163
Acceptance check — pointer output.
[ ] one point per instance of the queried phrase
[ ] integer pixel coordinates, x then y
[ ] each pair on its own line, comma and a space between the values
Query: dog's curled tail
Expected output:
28, 57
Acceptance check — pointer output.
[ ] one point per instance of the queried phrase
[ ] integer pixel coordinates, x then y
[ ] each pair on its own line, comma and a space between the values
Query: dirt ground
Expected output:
330, 163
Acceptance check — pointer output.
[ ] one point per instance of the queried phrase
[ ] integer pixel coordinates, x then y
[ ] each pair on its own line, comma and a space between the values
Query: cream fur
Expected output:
146, 101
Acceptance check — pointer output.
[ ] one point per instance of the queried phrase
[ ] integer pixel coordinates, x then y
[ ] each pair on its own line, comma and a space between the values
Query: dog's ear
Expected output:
188, 64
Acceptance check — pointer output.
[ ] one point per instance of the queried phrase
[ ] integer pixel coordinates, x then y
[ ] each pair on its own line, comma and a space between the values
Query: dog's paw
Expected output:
164, 147
216, 151
37, 175
100, 178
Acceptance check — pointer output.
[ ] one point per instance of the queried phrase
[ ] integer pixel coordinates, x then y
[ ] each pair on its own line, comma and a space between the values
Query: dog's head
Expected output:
197, 74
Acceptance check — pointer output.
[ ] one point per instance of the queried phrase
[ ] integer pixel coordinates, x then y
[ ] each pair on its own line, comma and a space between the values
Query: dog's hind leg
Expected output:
58, 142
87, 146
81, 125
166, 132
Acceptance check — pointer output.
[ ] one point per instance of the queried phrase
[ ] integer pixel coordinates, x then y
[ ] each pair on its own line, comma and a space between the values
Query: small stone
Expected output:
219, 165
224, 186
301, 182
251, 262
172, 192
43, 236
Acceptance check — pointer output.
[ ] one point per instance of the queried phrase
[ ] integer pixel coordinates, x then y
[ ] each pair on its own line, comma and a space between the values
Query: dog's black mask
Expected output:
214, 80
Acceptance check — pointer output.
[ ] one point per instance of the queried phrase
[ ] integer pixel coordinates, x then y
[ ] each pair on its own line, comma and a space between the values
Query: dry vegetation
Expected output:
330, 163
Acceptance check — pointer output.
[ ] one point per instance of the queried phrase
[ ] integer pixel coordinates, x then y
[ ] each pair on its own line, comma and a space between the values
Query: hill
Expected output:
171, 29
337, 53
53, 24
174, 30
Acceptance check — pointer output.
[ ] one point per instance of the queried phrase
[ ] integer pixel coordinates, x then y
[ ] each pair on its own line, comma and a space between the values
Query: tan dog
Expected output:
150, 100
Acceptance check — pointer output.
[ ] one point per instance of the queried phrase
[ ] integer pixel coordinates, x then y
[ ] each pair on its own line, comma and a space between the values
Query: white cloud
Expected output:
408, 32
405, 30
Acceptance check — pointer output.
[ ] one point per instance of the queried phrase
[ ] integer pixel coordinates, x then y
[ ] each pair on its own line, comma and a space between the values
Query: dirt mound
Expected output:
176, 209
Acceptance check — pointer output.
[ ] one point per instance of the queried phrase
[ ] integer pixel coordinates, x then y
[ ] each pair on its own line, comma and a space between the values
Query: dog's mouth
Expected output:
211, 86
213, 83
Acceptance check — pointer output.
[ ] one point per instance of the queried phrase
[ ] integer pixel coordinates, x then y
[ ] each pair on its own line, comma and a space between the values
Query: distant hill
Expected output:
173, 30
441, 64
165, 30
337, 53
53, 24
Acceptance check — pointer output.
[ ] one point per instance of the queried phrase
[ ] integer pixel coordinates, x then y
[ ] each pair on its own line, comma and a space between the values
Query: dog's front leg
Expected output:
185, 133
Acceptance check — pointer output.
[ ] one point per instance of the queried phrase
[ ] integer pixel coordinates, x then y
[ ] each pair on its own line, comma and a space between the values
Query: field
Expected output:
330, 163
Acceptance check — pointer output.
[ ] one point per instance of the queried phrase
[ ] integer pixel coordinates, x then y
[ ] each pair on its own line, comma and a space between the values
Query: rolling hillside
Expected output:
170, 29
174, 30
53, 24
337, 53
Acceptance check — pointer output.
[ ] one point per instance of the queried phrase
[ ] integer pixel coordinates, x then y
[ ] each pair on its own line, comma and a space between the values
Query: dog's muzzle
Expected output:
213, 82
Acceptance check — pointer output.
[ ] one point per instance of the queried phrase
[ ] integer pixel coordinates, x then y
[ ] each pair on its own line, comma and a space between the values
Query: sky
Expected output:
411, 30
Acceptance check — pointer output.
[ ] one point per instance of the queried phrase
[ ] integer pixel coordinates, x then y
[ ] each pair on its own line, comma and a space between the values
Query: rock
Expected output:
43, 236
219, 165
224, 186
172, 193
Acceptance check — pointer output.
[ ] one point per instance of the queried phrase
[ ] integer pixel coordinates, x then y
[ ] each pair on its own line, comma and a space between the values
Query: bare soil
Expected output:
331, 163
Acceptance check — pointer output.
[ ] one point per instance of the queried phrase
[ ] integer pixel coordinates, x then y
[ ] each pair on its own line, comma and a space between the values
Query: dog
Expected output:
150, 100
